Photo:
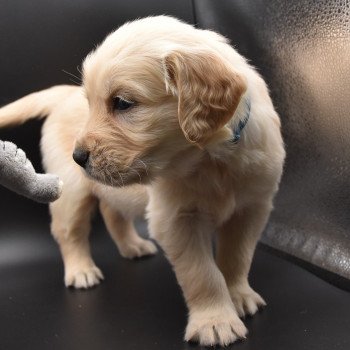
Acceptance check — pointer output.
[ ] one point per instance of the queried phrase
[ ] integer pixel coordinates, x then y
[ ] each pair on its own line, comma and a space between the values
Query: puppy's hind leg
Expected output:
70, 227
235, 249
122, 231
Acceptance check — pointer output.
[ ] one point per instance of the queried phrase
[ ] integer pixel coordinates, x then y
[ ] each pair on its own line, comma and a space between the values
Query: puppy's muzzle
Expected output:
81, 156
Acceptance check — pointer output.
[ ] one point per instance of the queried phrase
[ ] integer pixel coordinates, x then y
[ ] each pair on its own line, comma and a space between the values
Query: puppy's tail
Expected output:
36, 105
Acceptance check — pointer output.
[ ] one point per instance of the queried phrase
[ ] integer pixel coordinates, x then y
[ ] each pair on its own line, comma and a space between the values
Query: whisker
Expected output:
108, 173
138, 174
105, 178
121, 178
145, 166
134, 170
73, 81
72, 75
110, 179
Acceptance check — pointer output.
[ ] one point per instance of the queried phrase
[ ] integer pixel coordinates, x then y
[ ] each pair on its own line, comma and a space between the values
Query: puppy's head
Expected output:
155, 92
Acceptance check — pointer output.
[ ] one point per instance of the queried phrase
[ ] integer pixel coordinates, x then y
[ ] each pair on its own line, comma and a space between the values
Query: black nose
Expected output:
81, 156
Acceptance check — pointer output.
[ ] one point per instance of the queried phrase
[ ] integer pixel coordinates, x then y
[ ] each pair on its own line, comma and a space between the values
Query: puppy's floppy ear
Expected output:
208, 91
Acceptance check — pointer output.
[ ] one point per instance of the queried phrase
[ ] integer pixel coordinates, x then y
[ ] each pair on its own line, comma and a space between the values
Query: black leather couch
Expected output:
302, 266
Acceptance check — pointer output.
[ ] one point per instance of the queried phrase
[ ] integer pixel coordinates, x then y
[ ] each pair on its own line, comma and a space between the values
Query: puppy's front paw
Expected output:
215, 327
84, 277
246, 300
136, 248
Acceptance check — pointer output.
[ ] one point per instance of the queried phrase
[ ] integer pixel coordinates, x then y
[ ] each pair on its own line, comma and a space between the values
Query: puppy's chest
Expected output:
218, 193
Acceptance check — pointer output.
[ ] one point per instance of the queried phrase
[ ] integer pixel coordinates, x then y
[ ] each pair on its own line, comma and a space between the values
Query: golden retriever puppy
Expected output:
67, 110
178, 109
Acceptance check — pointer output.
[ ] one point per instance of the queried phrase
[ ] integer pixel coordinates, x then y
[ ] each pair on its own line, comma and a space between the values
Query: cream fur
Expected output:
189, 87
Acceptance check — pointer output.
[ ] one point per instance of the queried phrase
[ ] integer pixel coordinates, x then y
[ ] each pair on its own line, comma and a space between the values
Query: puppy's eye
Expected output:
119, 104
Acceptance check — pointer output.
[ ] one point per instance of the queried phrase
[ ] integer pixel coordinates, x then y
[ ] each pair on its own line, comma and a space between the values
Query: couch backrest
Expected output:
302, 48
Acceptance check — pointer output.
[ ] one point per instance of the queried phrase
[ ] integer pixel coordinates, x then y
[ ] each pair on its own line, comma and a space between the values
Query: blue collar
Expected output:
242, 123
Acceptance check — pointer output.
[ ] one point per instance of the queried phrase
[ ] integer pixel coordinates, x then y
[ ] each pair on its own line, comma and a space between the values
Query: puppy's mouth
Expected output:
111, 176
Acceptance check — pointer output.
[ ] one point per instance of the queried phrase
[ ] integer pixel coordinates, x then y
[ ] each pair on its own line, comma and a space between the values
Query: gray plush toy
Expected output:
17, 174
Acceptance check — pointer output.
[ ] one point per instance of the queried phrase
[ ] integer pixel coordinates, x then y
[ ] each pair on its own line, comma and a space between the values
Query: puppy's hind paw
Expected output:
83, 278
137, 248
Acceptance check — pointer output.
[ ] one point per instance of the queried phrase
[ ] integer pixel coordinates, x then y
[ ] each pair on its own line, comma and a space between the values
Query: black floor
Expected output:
139, 305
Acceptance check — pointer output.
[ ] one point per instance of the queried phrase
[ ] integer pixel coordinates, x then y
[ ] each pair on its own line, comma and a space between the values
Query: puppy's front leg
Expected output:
186, 239
235, 248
